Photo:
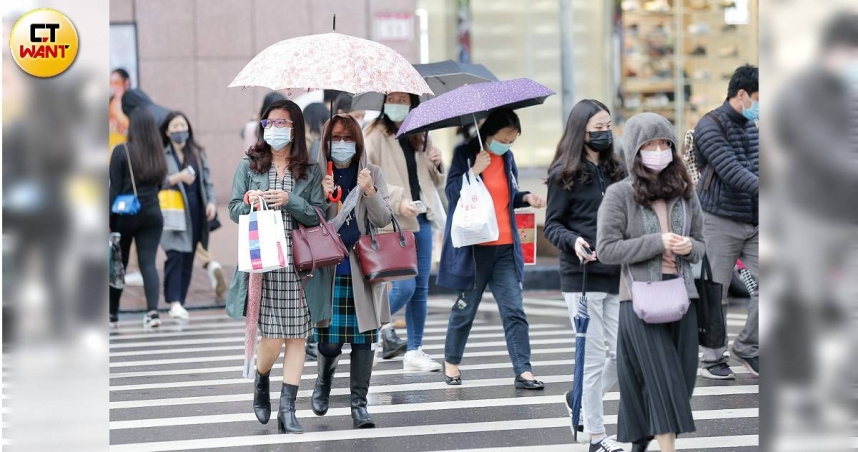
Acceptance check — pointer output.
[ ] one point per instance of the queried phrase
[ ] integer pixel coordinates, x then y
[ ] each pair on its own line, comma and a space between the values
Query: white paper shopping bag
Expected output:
262, 245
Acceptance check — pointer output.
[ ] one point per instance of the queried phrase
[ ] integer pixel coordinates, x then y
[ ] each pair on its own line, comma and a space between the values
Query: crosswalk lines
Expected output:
184, 383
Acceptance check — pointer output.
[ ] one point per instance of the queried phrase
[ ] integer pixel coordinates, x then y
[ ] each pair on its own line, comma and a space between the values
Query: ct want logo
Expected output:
44, 42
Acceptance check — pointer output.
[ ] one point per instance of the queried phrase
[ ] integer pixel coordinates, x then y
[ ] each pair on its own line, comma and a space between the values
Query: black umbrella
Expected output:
441, 77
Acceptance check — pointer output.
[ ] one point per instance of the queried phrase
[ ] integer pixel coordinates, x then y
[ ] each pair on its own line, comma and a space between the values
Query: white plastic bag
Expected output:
474, 220
262, 244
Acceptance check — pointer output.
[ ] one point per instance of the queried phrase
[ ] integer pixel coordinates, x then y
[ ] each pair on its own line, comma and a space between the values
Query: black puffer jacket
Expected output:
730, 145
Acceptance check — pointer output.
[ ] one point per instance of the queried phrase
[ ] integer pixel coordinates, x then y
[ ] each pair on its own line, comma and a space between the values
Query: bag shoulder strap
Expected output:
130, 169
711, 172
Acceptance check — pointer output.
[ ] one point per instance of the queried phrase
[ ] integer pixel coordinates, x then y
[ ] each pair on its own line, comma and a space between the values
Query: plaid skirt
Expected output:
344, 322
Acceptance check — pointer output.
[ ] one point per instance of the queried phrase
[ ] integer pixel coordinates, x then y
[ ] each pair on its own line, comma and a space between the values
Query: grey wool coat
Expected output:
181, 240
629, 233
371, 300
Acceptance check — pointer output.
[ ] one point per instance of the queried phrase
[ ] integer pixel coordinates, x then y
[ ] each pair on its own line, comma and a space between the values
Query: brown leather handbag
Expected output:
387, 257
327, 248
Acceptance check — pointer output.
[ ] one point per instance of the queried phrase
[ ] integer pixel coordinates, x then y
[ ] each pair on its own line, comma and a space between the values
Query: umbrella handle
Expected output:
337, 189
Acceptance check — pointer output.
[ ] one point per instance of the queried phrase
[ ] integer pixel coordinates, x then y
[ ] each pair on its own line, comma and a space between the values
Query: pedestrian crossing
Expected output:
180, 388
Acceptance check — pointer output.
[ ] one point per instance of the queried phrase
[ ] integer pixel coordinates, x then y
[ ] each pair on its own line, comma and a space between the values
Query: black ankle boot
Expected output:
262, 398
286, 420
391, 345
361, 371
324, 379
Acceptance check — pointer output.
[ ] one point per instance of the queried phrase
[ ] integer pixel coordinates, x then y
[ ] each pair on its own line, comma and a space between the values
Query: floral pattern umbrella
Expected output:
331, 61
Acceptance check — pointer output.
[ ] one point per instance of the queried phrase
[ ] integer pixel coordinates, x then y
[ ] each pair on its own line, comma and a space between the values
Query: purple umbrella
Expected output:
464, 105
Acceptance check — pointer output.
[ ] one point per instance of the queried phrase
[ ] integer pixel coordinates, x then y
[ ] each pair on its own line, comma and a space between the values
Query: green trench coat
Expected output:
306, 194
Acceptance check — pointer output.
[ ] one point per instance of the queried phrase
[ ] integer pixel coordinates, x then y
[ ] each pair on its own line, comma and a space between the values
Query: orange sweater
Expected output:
494, 177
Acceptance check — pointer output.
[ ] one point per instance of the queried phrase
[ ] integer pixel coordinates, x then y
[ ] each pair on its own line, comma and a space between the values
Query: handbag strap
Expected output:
130, 169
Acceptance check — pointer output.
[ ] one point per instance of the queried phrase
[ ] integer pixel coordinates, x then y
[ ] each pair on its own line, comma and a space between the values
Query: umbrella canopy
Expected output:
466, 104
331, 61
441, 77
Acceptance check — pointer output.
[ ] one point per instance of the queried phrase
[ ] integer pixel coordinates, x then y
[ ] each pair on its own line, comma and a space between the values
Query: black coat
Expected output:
729, 144
571, 214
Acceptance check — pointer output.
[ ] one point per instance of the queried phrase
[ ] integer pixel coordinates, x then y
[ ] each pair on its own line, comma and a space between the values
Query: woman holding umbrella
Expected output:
651, 224
359, 308
471, 269
277, 170
583, 168
413, 178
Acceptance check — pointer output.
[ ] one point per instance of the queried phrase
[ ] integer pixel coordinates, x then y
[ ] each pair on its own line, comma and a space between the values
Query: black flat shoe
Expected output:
452, 381
641, 445
521, 383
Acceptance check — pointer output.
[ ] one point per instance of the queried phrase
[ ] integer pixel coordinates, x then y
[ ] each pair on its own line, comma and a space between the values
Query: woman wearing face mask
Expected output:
583, 168
471, 269
412, 175
188, 173
651, 224
359, 308
277, 170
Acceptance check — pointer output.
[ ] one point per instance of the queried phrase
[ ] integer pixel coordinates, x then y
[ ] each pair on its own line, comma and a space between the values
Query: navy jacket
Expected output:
458, 269
730, 146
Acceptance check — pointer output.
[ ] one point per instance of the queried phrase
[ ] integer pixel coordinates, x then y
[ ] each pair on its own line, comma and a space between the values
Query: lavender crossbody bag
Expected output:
662, 301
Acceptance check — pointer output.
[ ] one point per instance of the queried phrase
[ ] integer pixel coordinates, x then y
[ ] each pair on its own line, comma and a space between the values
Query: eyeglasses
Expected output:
346, 138
279, 123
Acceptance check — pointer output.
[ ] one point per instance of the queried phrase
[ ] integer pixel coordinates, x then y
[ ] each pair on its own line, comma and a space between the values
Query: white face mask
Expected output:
278, 138
396, 112
656, 161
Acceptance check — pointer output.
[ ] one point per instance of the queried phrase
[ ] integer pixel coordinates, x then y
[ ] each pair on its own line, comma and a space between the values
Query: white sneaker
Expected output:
179, 312
151, 321
418, 360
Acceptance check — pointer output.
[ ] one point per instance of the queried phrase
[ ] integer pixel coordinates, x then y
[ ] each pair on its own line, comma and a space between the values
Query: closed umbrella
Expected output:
582, 320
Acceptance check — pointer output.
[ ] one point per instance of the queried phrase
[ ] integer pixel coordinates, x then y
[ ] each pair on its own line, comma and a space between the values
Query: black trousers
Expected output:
145, 229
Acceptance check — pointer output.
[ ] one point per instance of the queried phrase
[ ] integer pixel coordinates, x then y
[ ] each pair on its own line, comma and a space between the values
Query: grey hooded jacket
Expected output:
629, 233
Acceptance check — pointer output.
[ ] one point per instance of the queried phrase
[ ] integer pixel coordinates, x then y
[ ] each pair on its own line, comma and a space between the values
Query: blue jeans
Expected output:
412, 293
496, 267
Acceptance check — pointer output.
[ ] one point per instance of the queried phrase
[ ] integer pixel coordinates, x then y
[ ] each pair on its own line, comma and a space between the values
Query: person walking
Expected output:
727, 147
651, 224
470, 269
277, 170
139, 167
188, 173
359, 308
414, 174
582, 170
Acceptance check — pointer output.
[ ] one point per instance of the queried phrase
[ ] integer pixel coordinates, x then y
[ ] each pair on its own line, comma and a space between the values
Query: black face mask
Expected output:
601, 141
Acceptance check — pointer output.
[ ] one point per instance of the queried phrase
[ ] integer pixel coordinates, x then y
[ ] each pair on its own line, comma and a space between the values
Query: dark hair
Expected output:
269, 99
672, 182
260, 153
389, 128
191, 150
122, 73
842, 31
349, 123
315, 116
570, 160
145, 148
343, 102
497, 120
746, 77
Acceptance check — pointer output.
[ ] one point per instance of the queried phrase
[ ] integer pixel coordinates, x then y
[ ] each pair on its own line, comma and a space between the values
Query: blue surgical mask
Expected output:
498, 148
752, 113
342, 152
396, 112
278, 138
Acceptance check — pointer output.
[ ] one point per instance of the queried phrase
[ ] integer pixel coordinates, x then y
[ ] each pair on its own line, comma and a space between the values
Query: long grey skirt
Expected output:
657, 367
